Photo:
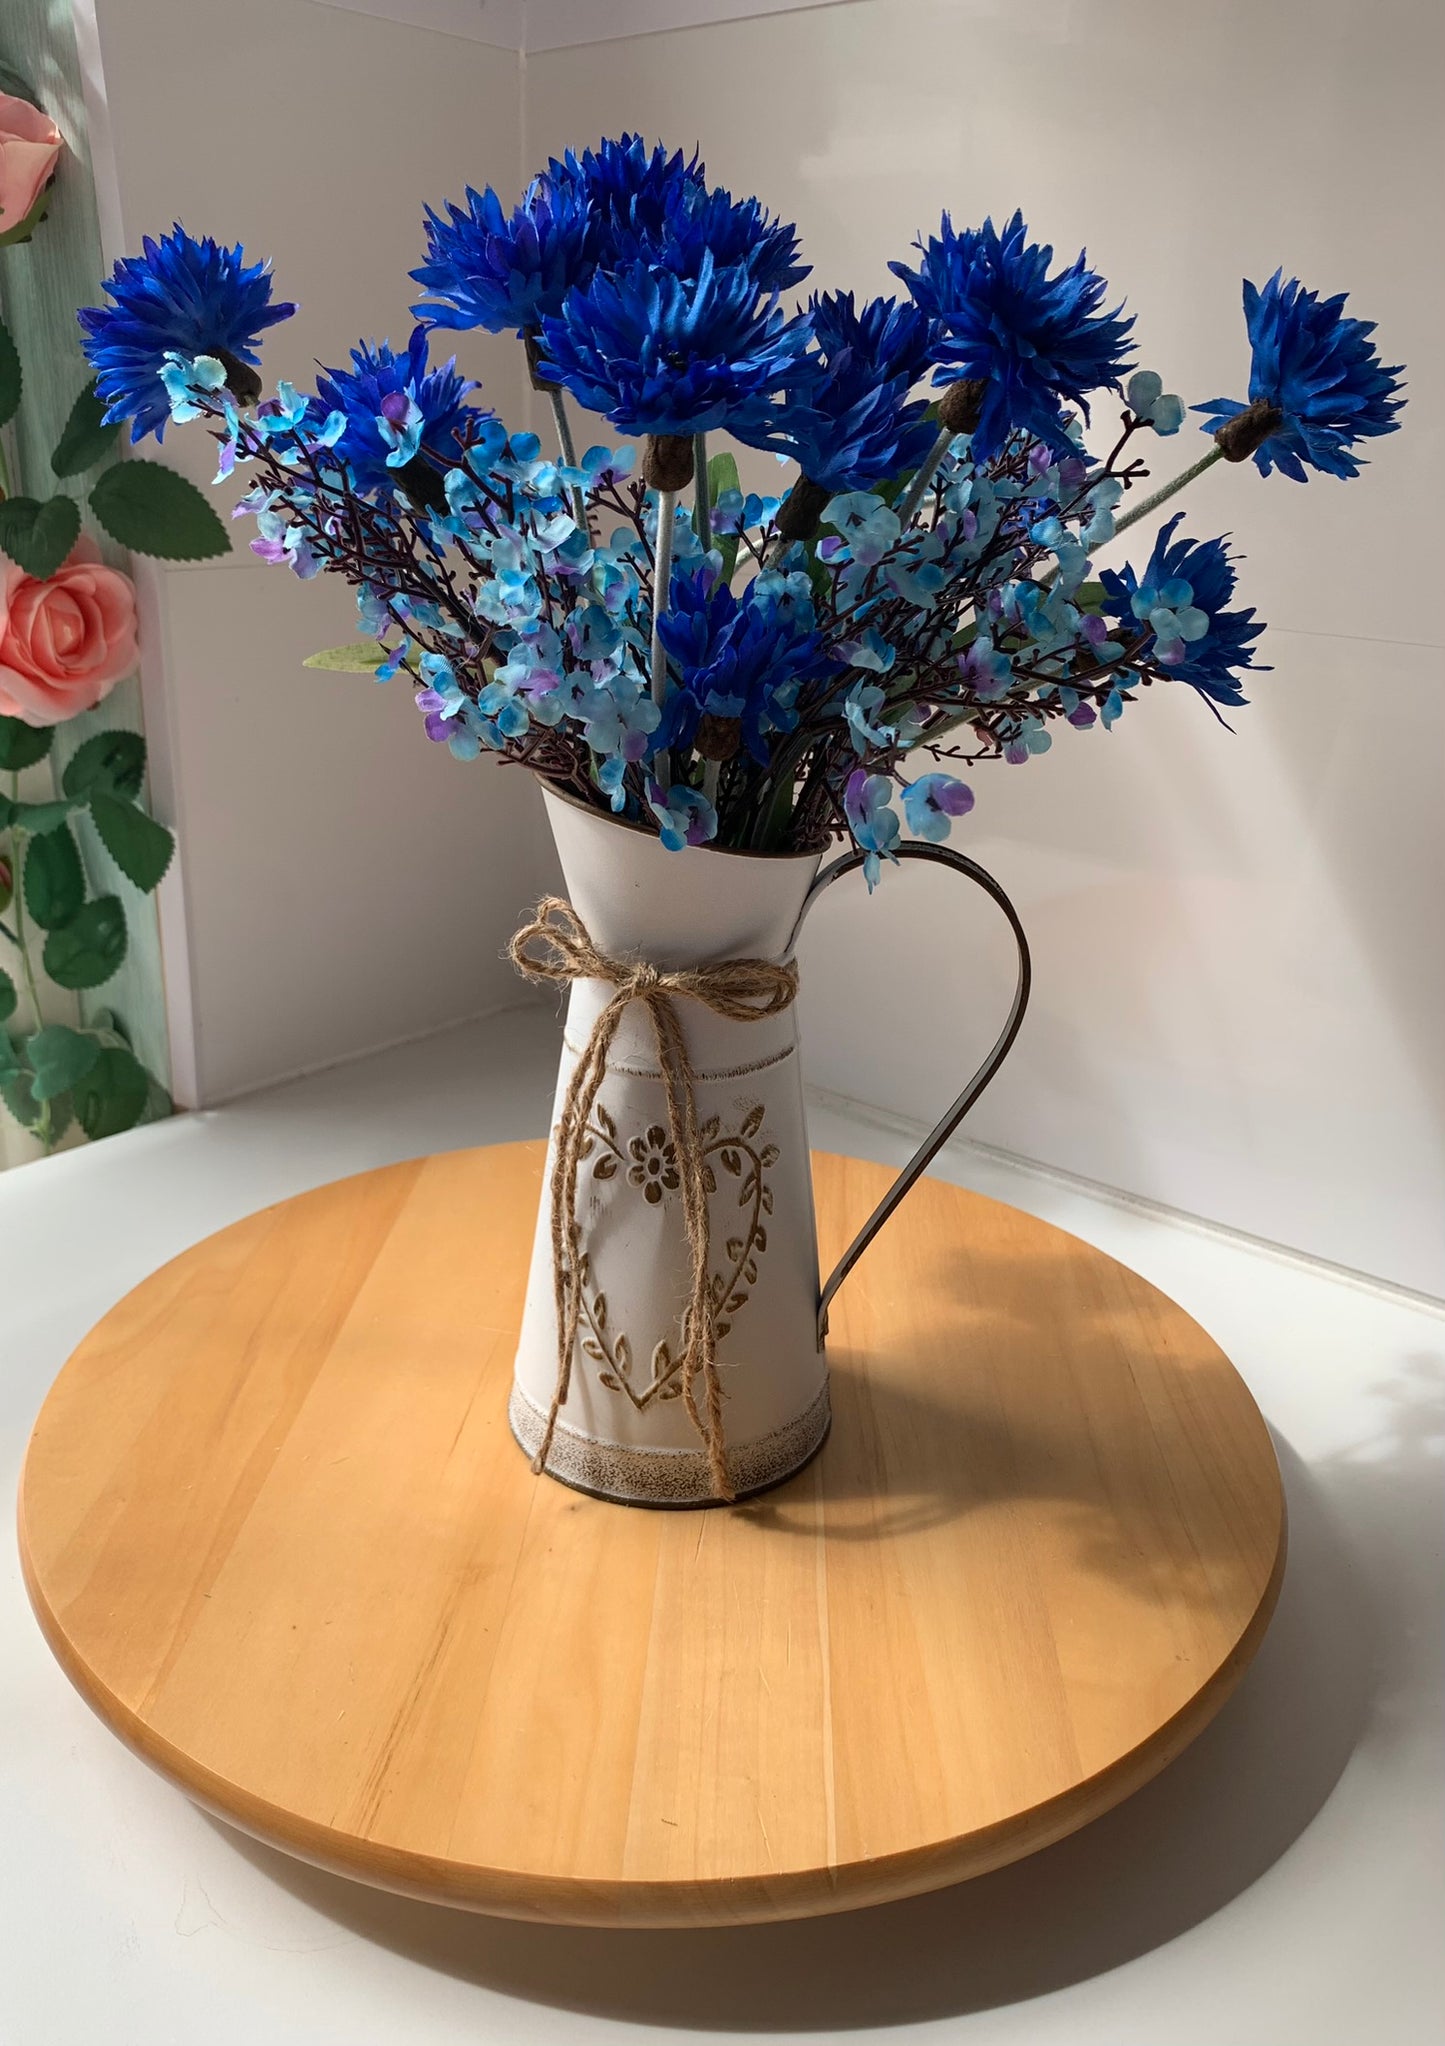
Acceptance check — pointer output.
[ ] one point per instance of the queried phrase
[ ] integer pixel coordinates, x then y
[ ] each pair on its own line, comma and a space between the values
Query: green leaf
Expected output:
86, 439
362, 657
54, 878
722, 474
140, 847
114, 761
112, 1095
16, 85
21, 745
11, 380
36, 536
88, 949
60, 1057
34, 817
152, 510
1089, 596
15, 1093
9, 998
24, 229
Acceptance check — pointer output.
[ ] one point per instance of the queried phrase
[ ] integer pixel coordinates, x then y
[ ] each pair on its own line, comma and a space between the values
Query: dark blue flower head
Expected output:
403, 418
1036, 341
627, 189
1320, 372
486, 269
183, 297
847, 419
698, 222
742, 658
1181, 600
663, 354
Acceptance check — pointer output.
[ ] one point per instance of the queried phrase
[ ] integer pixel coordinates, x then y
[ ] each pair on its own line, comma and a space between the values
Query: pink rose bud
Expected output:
64, 642
30, 144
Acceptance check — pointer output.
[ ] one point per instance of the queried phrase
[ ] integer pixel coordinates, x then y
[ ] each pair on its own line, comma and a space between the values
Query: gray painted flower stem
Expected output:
661, 583
569, 451
913, 497
1162, 496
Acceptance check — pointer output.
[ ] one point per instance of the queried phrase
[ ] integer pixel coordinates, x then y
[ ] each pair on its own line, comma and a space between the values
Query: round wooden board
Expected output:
277, 1533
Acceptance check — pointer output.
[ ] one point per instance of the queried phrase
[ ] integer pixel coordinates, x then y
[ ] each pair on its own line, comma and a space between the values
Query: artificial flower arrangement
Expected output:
724, 667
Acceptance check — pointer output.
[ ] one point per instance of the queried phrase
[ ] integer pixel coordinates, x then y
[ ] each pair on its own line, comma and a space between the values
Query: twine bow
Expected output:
555, 947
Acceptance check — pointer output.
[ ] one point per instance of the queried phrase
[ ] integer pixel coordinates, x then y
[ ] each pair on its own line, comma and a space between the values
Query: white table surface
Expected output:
1280, 1885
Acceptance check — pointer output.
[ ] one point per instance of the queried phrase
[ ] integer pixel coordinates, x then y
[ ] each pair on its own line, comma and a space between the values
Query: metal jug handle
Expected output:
939, 1135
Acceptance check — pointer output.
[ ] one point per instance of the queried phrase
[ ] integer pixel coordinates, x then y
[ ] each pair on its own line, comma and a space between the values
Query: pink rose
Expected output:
64, 642
30, 143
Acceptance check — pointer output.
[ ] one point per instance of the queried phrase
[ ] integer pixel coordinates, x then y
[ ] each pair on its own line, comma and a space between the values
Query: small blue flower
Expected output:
847, 420
684, 815
1320, 372
395, 403
487, 269
1036, 341
659, 353
181, 297
932, 802
1147, 398
874, 824
1181, 597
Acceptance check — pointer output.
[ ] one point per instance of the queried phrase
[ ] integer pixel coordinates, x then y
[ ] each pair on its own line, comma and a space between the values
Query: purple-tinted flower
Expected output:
684, 816
874, 824
932, 802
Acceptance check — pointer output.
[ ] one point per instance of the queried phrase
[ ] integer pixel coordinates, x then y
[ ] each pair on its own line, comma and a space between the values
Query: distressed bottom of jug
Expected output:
669, 1477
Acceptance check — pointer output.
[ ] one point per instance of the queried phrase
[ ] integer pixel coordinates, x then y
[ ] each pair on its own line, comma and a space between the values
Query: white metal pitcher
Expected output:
624, 1430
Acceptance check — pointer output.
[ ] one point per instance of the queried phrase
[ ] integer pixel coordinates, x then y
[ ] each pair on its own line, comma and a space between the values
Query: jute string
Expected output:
556, 947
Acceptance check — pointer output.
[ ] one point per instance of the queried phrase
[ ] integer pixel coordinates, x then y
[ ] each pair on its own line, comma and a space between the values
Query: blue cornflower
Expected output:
663, 354
847, 419
1319, 372
1034, 341
698, 222
487, 269
181, 297
628, 189
1181, 598
736, 658
405, 422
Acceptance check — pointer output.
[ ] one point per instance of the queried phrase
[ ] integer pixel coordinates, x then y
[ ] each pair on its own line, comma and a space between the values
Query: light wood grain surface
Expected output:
278, 1535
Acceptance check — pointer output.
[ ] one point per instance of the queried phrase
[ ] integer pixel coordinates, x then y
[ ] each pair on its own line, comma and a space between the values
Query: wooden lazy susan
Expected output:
278, 1534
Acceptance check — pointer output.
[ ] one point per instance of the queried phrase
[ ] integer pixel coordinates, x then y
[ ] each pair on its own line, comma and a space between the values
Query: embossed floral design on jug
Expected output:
629, 1427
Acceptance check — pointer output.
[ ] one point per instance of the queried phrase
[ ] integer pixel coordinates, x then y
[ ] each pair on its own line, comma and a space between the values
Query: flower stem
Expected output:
44, 1126
1162, 496
913, 497
569, 450
702, 501
661, 583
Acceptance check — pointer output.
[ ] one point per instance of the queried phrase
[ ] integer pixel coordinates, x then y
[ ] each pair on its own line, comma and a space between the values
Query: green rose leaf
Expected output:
15, 1093
9, 999
88, 949
37, 536
54, 878
21, 745
152, 510
11, 380
362, 657
59, 1057
112, 1095
722, 474
114, 761
140, 847
86, 439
